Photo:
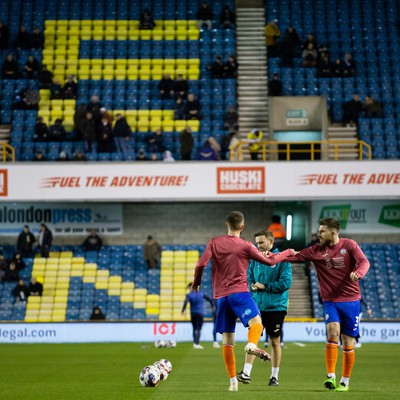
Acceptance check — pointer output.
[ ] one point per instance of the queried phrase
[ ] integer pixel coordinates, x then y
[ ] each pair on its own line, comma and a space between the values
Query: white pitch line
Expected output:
299, 344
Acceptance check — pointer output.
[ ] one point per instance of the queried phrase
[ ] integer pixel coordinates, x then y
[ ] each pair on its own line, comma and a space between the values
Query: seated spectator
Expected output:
204, 16
310, 40
289, 47
167, 156
3, 266
12, 274
31, 99
105, 136
25, 242
348, 66
122, 133
324, 66
56, 90
97, 314
181, 87
186, 141
10, 68
156, 142
215, 146
35, 287
18, 261
79, 156
352, 110
309, 56
93, 242
179, 111
105, 114
39, 156
93, 107
231, 118
31, 68
154, 157
216, 68
226, 142
272, 34
57, 131
23, 39
146, 20
166, 87
88, 131
37, 39
63, 156
41, 131
4, 36
21, 291
228, 18
231, 68
372, 107
206, 152
45, 77
70, 89
141, 156
192, 108
337, 69
275, 87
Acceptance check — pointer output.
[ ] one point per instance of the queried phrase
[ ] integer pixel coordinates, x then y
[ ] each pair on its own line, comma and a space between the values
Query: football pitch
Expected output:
111, 372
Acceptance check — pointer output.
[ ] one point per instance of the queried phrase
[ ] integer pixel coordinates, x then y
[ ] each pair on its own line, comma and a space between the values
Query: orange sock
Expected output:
255, 333
229, 359
331, 355
349, 357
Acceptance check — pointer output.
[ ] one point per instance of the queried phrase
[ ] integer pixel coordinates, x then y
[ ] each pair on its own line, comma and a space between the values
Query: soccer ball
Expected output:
162, 369
160, 344
171, 343
149, 376
167, 365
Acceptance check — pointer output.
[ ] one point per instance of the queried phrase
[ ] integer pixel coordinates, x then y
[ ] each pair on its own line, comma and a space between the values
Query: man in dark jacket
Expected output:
166, 87
4, 36
275, 86
88, 130
186, 140
93, 242
57, 131
151, 252
35, 287
10, 68
45, 240
21, 291
37, 39
45, 77
181, 87
25, 242
122, 133
352, 110
192, 108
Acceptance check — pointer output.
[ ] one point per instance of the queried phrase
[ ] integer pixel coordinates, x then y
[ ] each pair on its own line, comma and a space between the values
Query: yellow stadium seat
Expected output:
133, 34
193, 34
126, 298
69, 104
157, 34
145, 34
101, 284
120, 74
181, 33
114, 292
194, 124
169, 33
193, 73
103, 273
180, 125
121, 34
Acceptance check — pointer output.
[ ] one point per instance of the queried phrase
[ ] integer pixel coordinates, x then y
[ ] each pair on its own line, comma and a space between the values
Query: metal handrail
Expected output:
8, 152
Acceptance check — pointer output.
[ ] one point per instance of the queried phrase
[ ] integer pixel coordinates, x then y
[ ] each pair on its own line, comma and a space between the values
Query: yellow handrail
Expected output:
327, 147
8, 152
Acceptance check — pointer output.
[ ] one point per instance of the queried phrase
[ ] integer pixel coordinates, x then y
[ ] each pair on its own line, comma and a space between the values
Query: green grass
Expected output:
111, 371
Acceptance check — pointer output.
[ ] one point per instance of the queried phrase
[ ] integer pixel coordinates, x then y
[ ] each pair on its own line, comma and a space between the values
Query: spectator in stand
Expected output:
10, 68
31, 68
186, 141
97, 314
12, 274
63, 156
206, 152
93, 242
105, 114
226, 143
156, 141
372, 107
88, 130
204, 16
25, 242
167, 156
80, 115
255, 137
79, 156
70, 89
216, 68
18, 261
181, 87
289, 47
154, 157
272, 34
275, 87
309, 56
23, 41
348, 66
57, 131
105, 136
337, 69
278, 231
3, 266
215, 146
122, 133
192, 108
4, 36
228, 18
310, 40
35, 287
94, 106
21, 291
146, 20
45, 240
166, 87
324, 66
39, 156
152, 252
352, 110
56, 90
142, 156
179, 111
41, 131
30, 99
231, 118
231, 68
37, 39
45, 77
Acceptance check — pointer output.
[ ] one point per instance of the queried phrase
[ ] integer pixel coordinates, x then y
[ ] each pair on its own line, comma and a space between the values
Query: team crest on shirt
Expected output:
343, 251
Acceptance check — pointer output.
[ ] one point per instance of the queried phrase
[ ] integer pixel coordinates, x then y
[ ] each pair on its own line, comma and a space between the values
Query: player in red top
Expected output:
230, 256
339, 263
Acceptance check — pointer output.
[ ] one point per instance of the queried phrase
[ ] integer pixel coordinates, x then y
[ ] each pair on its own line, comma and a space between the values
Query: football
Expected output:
171, 343
150, 376
167, 365
160, 344
163, 370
